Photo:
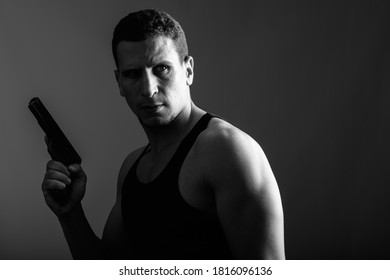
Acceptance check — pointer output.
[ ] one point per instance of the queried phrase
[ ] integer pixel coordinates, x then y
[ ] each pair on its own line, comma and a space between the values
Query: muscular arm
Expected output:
247, 196
82, 241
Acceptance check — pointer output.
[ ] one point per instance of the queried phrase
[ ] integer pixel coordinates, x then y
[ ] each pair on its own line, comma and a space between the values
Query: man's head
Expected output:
154, 71
141, 25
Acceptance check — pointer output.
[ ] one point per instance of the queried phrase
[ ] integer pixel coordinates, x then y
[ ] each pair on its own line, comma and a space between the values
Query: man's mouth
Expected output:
152, 107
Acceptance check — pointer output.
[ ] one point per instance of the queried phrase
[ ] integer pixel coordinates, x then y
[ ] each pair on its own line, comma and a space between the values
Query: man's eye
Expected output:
130, 73
162, 69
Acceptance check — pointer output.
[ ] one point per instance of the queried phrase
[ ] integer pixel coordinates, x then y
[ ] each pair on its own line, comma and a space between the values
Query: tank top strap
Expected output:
188, 141
145, 150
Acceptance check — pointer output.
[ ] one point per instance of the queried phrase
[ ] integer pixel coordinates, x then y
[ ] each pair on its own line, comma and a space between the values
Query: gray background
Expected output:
309, 81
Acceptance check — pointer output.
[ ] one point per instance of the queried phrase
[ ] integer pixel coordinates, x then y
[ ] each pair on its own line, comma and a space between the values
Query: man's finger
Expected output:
58, 166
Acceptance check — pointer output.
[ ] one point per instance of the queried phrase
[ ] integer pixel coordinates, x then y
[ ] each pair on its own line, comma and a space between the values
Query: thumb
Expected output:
77, 172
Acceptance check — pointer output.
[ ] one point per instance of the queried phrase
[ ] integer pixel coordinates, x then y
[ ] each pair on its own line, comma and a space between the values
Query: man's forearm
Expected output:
82, 241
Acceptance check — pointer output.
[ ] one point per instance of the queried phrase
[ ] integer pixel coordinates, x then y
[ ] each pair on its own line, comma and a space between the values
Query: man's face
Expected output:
153, 80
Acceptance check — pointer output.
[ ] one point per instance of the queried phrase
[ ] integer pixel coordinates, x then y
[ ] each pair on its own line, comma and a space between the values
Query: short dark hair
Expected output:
144, 24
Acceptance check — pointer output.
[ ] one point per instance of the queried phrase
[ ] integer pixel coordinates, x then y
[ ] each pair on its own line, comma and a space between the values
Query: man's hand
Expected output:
63, 187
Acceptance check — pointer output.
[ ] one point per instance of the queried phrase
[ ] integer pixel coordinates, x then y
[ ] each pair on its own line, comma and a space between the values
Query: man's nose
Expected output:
149, 85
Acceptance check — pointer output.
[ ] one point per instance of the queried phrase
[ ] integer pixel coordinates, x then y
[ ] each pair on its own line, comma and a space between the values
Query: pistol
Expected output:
60, 147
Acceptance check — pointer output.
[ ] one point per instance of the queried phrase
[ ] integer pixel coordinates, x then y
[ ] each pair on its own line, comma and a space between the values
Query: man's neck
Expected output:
169, 136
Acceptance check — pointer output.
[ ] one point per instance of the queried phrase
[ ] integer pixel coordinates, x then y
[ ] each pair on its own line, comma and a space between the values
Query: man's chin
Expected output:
153, 122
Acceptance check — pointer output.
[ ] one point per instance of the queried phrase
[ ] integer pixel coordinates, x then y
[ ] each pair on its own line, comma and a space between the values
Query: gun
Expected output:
61, 149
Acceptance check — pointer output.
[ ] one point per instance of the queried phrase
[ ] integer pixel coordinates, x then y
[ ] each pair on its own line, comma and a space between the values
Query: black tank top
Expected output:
159, 223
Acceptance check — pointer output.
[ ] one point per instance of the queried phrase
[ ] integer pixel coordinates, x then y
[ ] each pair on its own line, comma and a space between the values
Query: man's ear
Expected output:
189, 66
116, 72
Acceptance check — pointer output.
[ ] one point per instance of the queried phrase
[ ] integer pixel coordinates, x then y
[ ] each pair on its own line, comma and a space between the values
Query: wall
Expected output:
309, 81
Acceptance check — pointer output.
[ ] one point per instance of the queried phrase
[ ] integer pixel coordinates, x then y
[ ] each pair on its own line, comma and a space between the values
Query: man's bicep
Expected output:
253, 223
248, 200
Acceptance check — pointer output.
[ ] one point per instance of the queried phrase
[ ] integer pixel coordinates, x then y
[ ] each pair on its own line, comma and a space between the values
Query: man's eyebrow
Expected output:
129, 68
159, 60
153, 62
166, 62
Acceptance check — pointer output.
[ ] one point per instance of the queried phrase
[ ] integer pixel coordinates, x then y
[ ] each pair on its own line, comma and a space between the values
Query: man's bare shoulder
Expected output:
226, 150
220, 129
221, 136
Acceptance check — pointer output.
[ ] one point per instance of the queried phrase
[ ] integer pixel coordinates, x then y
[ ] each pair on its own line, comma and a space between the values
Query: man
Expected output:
201, 188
